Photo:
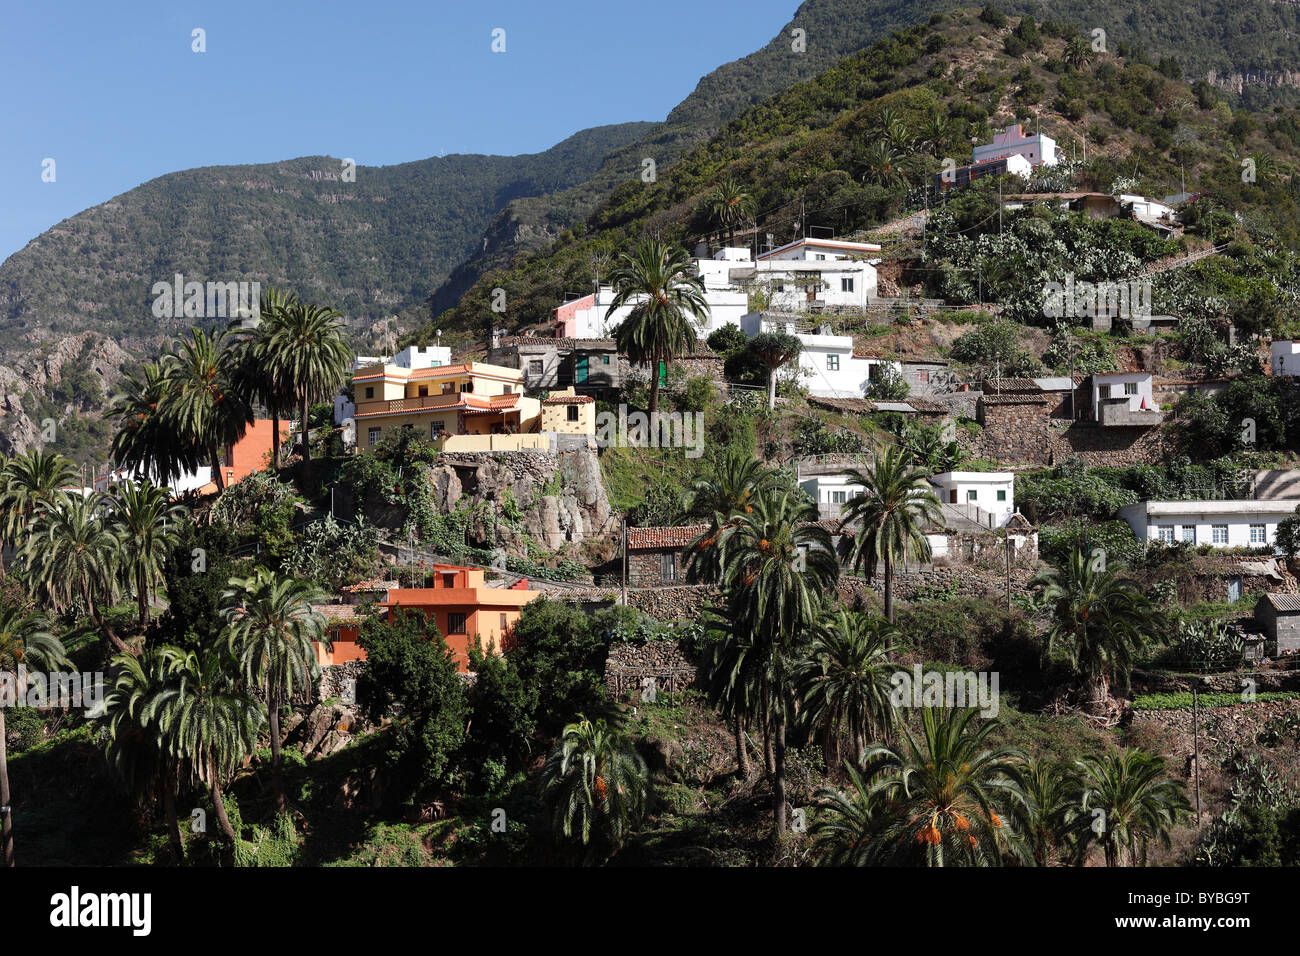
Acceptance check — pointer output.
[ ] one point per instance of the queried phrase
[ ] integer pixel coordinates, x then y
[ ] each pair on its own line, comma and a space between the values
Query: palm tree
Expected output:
736, 682
1041, 813
1100, 621
846, 834
135, 746
594, 780
259, 375
204, 404
668, 300
730, 486
271, 627
25, 641
1125, 803
880, 164
146, 440
1079, 52
731, 205
936, 131
141, 513
209, 723
890, 516
306, 348
925, 446
779, 562
73, 554
845, 681
26, 481
943, 796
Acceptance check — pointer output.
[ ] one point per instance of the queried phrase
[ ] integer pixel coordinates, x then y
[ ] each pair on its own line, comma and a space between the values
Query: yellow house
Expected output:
473, 399
568, 413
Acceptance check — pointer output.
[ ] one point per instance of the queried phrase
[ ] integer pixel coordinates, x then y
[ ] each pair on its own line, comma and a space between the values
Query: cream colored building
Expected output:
444, 404
568, 413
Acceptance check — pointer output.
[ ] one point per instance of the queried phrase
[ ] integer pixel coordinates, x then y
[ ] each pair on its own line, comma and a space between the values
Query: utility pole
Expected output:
625, 559
1006, 535
1196, 749
999, 207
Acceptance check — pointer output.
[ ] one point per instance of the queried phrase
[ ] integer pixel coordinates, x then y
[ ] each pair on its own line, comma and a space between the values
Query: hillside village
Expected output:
750, 511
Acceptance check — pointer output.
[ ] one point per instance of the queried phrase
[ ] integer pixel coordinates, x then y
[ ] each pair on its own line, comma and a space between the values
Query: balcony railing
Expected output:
415, 404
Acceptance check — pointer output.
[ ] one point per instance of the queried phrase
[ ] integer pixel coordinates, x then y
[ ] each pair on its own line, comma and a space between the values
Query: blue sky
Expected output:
113, 93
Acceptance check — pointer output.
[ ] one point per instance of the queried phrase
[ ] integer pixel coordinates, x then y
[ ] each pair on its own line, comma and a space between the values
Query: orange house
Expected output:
459, 604
252, 452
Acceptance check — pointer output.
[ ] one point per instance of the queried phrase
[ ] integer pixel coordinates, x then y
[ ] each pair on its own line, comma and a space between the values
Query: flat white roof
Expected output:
1232, 506
998, 476
825, 243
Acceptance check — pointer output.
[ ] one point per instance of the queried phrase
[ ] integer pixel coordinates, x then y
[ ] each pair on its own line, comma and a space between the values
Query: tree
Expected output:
668, 299
779, 562
844, 682
410, 671
561, 658
1125, 803
141, 513
25, 641
595, 784
1041, 813
306, 348
729, 486
26, 481
731, 205
146, 440
208, 722
271, 627
773, 351
203, 403
74, 554
890, 516
1079, 52
259, 374
1099, 621
880, 164
941, 797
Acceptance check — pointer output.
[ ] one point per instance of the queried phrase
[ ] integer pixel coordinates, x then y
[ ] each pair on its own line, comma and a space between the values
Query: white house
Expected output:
412, 357
1124, 398
986, 497
801, 275
831, 492
1145, 208
1039, 150
1223, 524
1284, 357
827, 366
584, 317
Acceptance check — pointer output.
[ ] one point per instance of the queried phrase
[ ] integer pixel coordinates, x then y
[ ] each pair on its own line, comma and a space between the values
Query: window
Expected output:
370, 391
832, 363
604, 360
1002, 495
1130, 388
1219, 534
819, 256
667, 567
448, 387
839, 497
449, 579
434, 429
503, 622
455, 623
373, 435
424, 390
535, 366
1258, 535
1103, 391
510, 390
972, 495
1165, 534
1189, 533
846, 285
572, 413
467, 386
922, 377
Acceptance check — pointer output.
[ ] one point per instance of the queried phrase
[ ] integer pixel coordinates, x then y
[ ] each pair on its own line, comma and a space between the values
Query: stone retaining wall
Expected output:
659, 667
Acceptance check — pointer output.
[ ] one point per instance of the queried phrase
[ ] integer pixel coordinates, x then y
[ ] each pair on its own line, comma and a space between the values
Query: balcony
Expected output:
1116, 412
418, 403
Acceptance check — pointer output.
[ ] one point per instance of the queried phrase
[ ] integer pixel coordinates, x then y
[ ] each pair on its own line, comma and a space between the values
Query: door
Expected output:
1234, 590
580, 370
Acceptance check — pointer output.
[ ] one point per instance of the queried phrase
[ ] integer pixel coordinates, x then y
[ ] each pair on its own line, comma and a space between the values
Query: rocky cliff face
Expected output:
559, 498
71, 376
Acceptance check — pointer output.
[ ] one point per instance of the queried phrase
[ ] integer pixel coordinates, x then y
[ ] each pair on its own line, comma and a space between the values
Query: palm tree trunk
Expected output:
273, 715
275, 440
769, 761
889, 595
778, 779
771, 388
102, 625
654, 388
169, 814
142, 596
306, 444
219, 805
6, 814
742, 757
216, 470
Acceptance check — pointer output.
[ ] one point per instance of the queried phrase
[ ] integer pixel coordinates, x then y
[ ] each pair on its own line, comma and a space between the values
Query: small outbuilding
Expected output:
1278, 616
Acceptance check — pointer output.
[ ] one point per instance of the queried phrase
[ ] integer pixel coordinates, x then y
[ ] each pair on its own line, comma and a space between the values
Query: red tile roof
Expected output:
568, 400
644, 539
373, 584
